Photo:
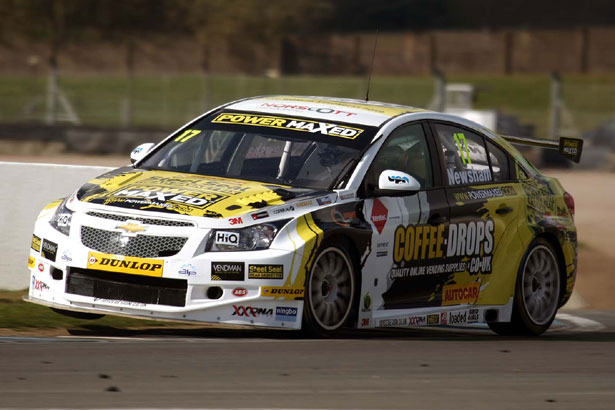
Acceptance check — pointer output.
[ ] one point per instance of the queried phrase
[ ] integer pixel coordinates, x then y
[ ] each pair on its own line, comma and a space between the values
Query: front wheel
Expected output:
330, 290
536, 292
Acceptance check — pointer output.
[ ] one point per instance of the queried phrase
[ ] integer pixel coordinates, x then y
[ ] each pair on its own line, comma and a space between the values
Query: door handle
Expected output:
436, 219
504, 210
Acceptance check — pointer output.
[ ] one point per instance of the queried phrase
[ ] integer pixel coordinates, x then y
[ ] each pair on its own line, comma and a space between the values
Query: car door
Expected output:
484, 206
408, 228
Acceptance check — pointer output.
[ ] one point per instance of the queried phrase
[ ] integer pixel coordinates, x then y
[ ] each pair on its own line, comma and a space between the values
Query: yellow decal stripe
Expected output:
312, 236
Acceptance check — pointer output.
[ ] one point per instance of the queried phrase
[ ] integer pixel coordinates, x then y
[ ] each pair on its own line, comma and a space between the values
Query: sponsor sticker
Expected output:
31, 262
399, 179
288, 208
323, 201
41, 267
125, 264
280, 292
461, 293
288, 123
66, 256
235, 221
379, 215
304, 203
49, 250
260, 215
250, 311
265, 271
417, 320
36, 243
367, 302
39, 284
286, 314
458, 318
395, 322
473, 316
226, 238
443, 317
227, 271
187, 269
239, 292
433, 319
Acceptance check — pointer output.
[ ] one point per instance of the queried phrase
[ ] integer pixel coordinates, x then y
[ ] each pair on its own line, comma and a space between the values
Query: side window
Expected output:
465, 156
499, 162
405, 150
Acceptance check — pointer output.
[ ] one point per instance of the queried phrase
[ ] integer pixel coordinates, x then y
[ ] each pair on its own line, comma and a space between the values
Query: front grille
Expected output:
146, 221
130, 288
141, 246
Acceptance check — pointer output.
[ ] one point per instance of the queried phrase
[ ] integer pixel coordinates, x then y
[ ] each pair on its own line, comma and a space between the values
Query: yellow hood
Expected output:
173, 192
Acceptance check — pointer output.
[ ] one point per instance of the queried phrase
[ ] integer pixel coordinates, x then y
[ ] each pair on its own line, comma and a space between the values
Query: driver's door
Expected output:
408, 230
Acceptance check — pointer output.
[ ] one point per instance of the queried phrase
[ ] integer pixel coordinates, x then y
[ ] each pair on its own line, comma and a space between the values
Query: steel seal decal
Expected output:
125, 264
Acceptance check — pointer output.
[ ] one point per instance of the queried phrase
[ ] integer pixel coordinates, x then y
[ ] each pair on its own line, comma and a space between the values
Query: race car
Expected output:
316, 213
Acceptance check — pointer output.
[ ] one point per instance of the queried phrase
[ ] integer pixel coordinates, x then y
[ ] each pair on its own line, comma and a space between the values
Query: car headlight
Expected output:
253, 238
61, 219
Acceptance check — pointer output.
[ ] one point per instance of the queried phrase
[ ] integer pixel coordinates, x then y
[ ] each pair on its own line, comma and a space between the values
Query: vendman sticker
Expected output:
125, 264
313, 127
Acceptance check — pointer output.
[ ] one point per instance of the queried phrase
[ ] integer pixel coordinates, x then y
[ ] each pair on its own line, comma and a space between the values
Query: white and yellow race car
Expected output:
319, 213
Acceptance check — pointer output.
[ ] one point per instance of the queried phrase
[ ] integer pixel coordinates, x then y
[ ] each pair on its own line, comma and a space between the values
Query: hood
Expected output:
186, 194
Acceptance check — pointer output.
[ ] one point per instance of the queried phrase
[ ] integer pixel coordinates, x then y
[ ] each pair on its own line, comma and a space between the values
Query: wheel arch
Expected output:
559, 253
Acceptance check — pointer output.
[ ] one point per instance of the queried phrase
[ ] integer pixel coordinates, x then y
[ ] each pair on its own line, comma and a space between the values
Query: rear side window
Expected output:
499, 162
465, 155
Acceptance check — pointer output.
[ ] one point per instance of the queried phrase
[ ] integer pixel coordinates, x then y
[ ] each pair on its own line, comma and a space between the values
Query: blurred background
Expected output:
101, 76
85, 81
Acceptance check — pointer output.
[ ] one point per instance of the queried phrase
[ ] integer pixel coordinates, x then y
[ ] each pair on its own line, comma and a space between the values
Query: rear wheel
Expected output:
330, 290
536, 292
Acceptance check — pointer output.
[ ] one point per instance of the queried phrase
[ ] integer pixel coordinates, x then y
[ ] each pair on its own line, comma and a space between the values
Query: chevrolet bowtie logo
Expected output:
131, 227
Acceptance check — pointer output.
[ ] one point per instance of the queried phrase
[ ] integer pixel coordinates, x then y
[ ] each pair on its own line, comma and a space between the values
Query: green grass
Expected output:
17, 314
171, 100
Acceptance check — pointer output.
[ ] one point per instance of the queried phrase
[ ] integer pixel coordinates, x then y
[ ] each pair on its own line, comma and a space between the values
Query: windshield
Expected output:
258, 153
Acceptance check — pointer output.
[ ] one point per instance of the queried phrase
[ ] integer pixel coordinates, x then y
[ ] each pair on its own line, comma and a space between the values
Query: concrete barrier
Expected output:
26, 189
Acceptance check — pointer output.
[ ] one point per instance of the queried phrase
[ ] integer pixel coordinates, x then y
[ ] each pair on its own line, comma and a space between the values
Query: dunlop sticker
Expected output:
125, 264
313, 127
280, 292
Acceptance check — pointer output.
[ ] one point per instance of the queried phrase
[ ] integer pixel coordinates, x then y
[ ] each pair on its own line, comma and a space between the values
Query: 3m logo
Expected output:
379, 215
251, 311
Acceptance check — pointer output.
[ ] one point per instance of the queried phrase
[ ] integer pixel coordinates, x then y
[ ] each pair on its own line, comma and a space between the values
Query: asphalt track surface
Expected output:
570, 367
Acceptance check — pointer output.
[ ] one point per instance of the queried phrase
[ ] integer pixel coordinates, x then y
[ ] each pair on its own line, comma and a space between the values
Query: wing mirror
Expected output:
391, 180
141, 151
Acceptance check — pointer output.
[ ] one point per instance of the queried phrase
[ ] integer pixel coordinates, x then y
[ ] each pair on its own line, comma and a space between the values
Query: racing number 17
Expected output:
186, 135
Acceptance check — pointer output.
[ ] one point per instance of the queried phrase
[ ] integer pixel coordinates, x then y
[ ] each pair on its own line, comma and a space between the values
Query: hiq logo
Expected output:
226, 238
399, 179
286, 314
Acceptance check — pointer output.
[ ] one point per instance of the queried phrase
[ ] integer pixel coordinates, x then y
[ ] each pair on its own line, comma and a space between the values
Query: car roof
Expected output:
370, 113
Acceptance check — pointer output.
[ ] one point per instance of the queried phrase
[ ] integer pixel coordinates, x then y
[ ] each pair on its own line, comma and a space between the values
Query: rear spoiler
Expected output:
568, 147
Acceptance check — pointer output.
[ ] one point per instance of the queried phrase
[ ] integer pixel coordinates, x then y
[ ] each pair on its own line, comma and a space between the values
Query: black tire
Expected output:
537, 292
330, 290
